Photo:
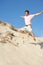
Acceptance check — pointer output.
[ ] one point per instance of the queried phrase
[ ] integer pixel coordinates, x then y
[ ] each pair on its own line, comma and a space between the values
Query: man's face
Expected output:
26, 13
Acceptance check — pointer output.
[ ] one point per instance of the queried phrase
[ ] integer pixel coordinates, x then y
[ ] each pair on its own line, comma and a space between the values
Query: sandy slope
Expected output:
19, 49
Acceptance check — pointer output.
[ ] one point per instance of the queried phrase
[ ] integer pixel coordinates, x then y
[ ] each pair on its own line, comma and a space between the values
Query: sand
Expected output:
19, 49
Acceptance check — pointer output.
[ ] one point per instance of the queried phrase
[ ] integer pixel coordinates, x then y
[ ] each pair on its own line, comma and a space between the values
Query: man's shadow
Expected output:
40, 43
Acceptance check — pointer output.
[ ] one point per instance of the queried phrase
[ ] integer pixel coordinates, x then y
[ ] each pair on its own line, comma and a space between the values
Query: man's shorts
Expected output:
27, 28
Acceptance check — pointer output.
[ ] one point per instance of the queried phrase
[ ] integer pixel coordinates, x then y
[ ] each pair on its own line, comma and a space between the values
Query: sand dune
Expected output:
17, 48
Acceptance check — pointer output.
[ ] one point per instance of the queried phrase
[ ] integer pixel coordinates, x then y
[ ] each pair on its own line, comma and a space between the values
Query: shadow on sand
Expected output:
41, 44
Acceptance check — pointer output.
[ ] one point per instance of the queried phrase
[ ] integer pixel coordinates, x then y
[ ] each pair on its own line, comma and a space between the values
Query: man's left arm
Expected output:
37, 14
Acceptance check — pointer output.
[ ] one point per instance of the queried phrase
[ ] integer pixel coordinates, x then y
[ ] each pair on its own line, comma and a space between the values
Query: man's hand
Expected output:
42, 12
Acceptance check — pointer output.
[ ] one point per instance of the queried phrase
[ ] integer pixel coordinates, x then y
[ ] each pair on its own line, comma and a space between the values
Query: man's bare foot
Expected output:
22, 31
35, 39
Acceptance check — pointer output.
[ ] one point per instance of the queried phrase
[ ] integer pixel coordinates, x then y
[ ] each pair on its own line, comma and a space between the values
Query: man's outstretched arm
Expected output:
38, 13
22, 16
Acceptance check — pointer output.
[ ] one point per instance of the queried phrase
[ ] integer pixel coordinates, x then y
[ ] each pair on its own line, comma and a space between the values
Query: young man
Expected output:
28, 22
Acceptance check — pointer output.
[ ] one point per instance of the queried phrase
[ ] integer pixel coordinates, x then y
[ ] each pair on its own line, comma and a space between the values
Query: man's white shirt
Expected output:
28, 19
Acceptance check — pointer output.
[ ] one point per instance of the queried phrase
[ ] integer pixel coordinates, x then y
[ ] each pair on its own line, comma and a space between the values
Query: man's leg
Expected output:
32, 34
22, 29
29, 28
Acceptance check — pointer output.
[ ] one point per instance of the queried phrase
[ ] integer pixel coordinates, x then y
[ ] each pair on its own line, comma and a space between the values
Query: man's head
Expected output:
26, 12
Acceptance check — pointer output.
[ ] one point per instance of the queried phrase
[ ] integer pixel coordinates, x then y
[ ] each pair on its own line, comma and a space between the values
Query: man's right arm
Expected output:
22, 16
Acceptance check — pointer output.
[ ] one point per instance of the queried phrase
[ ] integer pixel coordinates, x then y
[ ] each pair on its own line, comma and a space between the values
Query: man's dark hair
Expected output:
27, 11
